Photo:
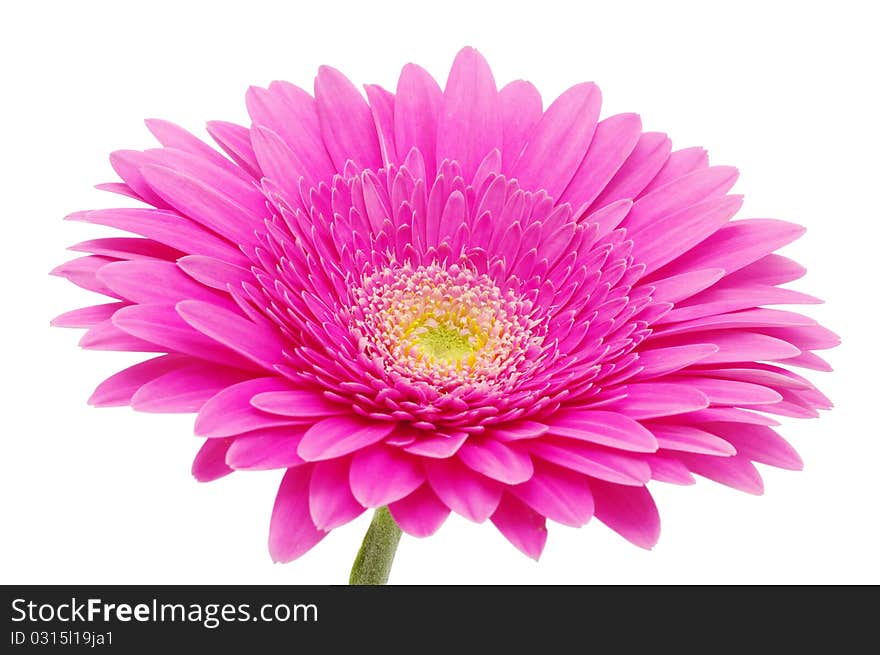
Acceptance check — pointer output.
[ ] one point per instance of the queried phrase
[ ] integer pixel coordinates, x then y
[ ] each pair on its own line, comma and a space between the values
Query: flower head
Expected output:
450, 300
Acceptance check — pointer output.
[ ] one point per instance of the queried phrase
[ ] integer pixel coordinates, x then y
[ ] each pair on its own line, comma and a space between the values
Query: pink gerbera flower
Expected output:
450, 300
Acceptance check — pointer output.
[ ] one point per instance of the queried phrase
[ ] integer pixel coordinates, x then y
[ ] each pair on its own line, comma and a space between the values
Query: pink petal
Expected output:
187, 388
127, 248
258, 342
161, 325
380, 475
736, 472
278, 162
690, 439
469, 125
236, 142
737, 346
341, 435
330, 501
629, 511
204, 204
557, 493
673, 234
346, 122
269, 448
558, 143
153, 281
759, 443
165, 227
679, 194
738, 244
601, 464
684, 285
86, 317
657, 362
614, 140
518, 430
299, 403
643, 163
421, 513
382, 109
437, 445
496, 460
730, 392
416, 107
292, 113
521, 110
680, 163
466, 493
214, 272
652, 399
521, 526
605, 428
118, 389
291, 530
230, 412
210, 462
670, 470
106, 336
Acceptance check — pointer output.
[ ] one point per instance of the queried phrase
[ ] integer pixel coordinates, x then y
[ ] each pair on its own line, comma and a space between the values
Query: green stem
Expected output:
373, 562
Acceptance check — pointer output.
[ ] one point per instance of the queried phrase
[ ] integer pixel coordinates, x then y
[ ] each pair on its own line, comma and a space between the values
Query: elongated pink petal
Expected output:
421, 513
346, 122
646, 400
341, 435
469, 494
614, 140
86, 317
380, 475
165, 227
416, 108
236, 142
437, 446
557, 493
330, 501
214, 272
187, 388
268, 448
679, 194
160, 324
291, 530
730, 392
119, 388
204, 204
230, 412
297, 403
127, 248
521, 110
629, 511
658, 362
690, 439
605, 428
736, 472
601, 464
469, 125
558, 143
759, 443
155, 281
259, 343
210, 462
646, 159
496, 460
521, 525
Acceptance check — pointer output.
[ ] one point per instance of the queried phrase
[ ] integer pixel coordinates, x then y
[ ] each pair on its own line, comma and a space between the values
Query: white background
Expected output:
787, 92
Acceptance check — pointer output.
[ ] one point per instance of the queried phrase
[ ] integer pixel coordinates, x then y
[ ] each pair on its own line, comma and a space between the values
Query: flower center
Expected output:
444, 341
444, 326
